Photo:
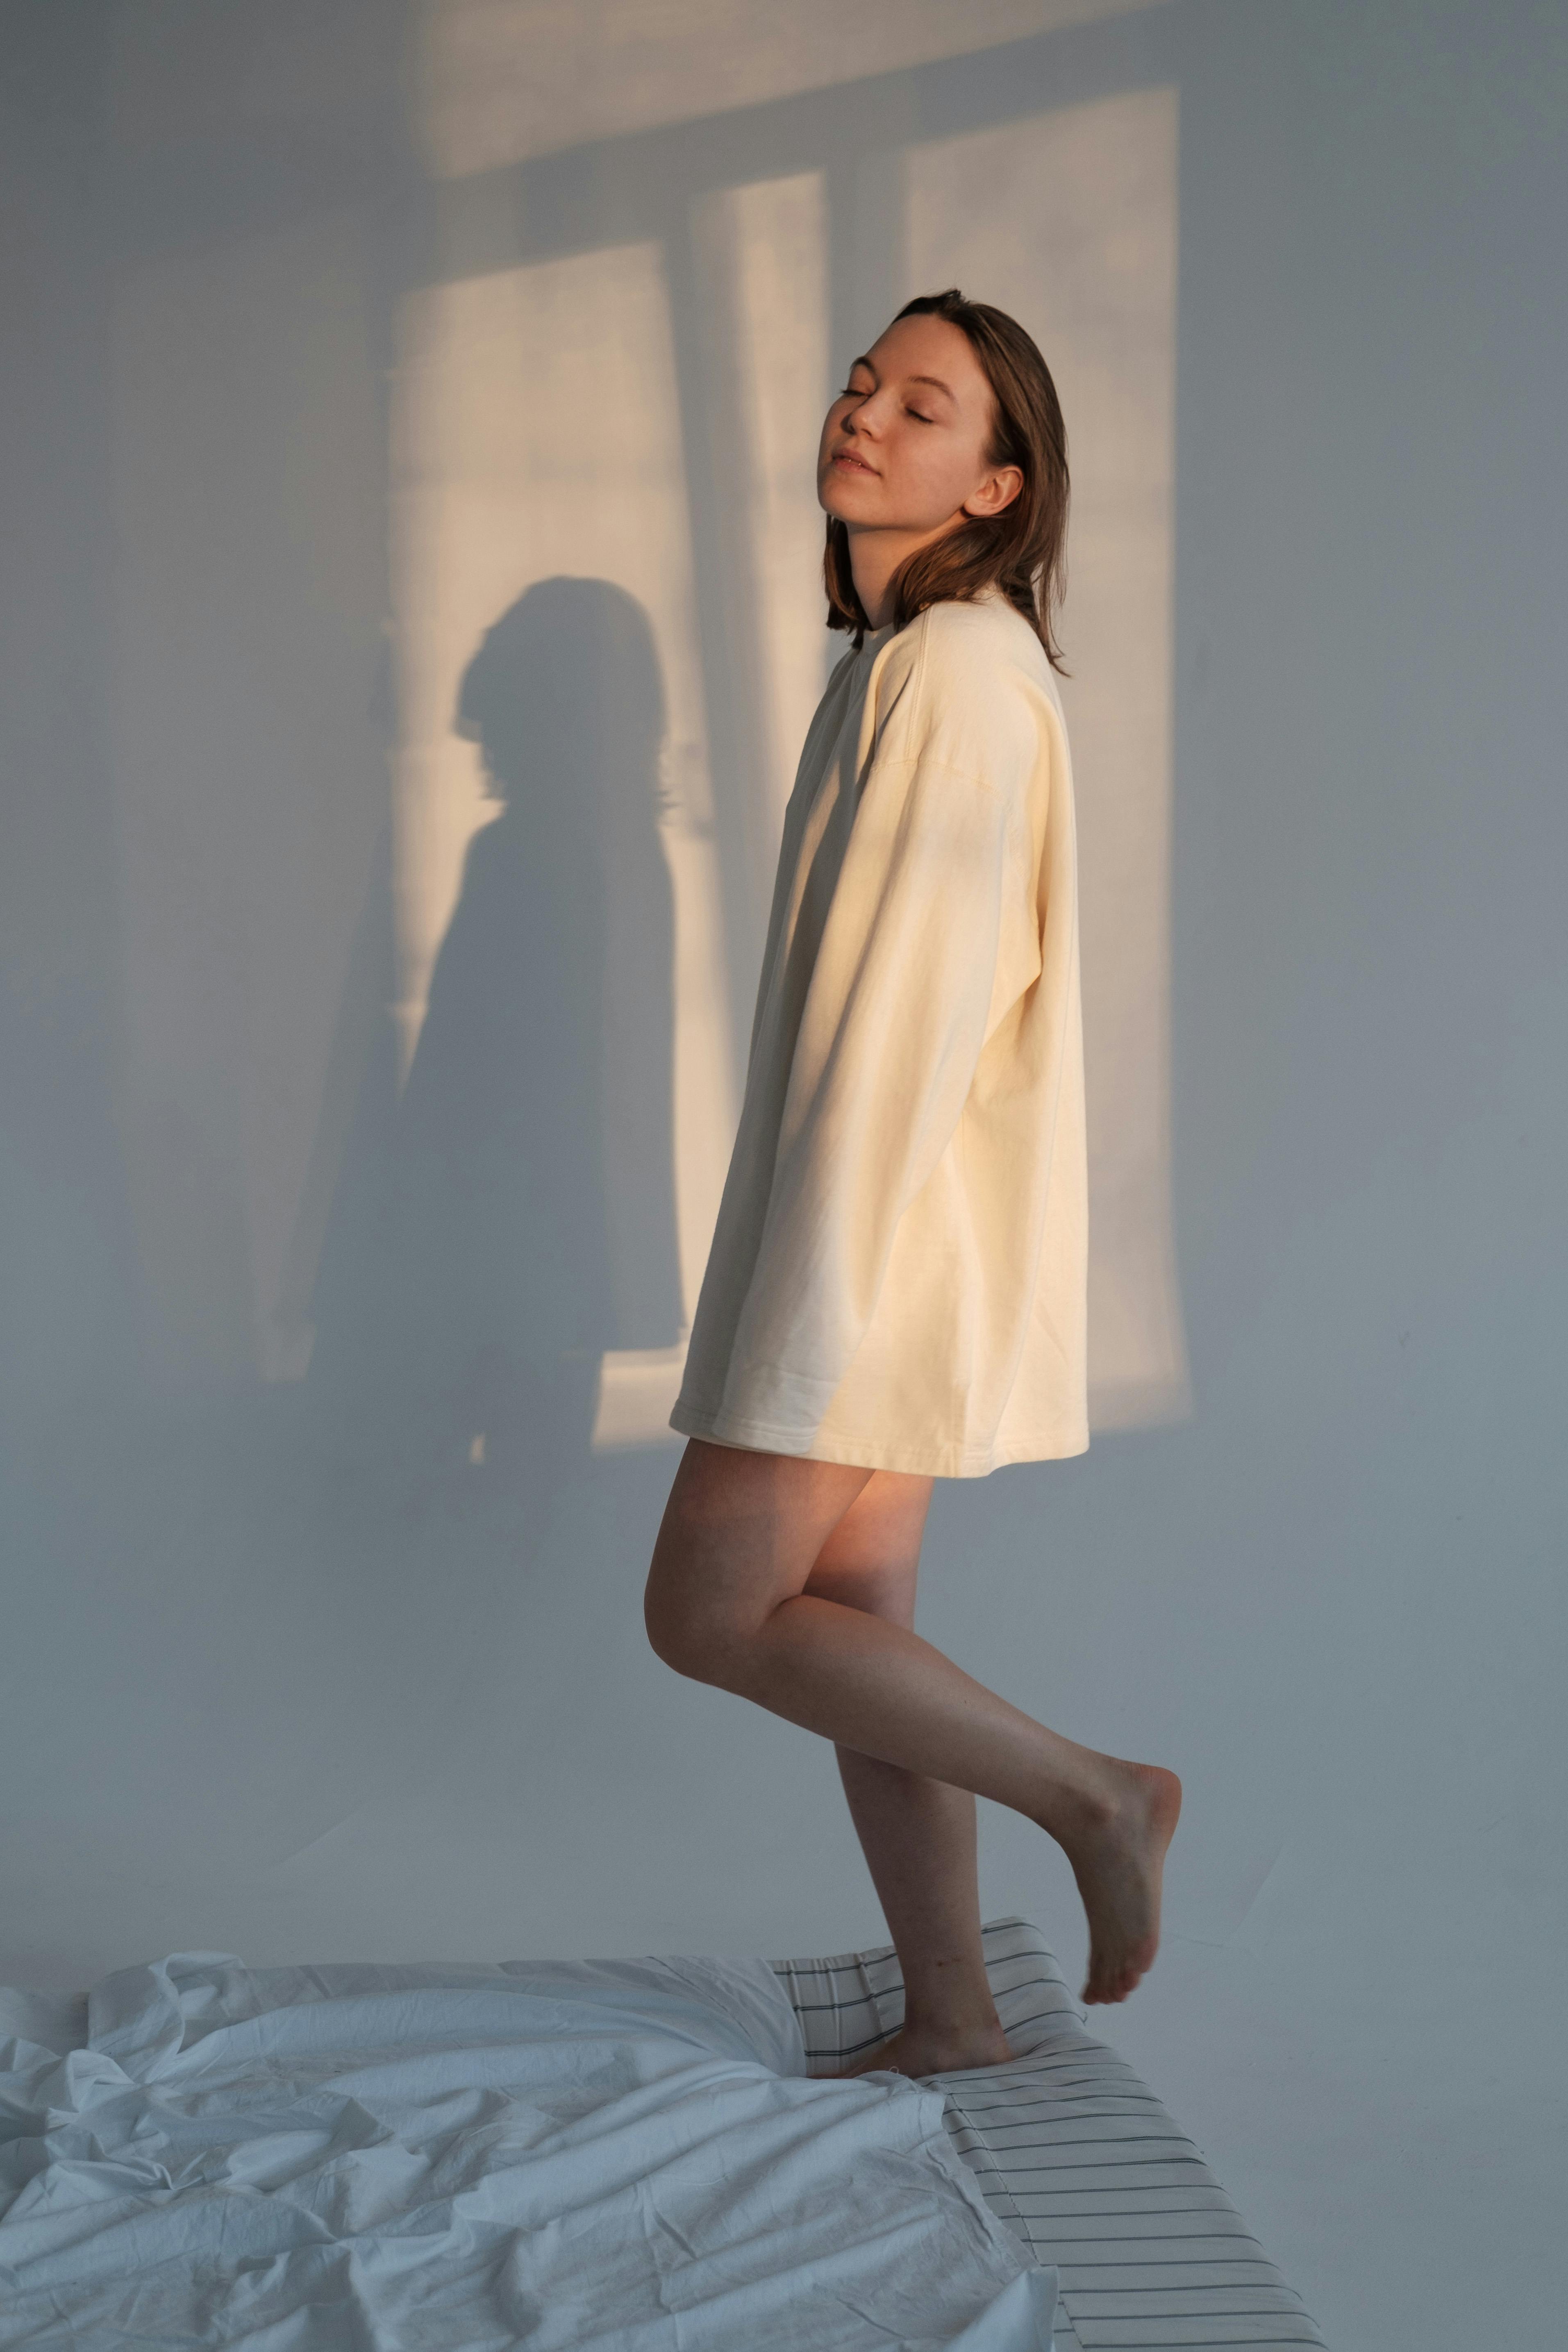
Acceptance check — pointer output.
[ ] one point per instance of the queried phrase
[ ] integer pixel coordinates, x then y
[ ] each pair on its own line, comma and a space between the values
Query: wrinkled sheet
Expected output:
624, 2155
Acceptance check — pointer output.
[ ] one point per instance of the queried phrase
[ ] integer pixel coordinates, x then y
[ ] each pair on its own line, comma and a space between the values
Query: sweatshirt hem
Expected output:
928, 1461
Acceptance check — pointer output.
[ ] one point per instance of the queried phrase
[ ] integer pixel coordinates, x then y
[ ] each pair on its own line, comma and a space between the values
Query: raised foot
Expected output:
917, 2053
1119, 1860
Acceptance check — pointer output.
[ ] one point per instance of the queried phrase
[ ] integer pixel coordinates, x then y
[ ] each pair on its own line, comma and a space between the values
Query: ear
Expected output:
997, 492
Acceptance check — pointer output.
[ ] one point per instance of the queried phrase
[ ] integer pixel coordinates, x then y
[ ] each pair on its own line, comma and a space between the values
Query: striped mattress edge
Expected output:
1076, 2155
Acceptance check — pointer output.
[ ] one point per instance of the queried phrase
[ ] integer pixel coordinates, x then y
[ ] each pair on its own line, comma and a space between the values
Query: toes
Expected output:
1101, 1979
1106, 1985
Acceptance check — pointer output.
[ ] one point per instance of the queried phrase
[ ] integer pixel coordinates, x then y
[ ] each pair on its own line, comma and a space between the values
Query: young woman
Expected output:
897, 1283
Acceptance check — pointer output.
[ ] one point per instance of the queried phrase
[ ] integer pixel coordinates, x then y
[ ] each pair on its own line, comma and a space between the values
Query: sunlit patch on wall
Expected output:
499, 80
541, 548
1068, 220
540, 437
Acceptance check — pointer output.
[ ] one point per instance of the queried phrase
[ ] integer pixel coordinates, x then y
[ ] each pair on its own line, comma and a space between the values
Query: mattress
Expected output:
1076, 2154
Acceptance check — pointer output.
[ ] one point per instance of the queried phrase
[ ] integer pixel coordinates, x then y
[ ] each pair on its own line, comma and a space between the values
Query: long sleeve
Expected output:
890, 1032
897, 1272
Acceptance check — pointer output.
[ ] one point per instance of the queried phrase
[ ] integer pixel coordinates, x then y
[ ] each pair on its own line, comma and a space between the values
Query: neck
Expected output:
874, 556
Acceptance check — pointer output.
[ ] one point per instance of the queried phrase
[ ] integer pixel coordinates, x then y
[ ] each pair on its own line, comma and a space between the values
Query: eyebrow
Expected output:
933, 380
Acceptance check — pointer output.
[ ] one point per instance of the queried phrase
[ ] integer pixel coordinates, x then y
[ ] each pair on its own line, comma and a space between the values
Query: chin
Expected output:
846, 497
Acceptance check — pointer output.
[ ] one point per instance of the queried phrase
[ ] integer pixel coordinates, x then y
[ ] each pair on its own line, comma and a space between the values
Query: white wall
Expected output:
332, 1165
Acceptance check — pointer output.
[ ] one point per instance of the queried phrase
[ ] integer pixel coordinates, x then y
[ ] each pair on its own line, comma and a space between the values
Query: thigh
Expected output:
741, 1531
871, 1559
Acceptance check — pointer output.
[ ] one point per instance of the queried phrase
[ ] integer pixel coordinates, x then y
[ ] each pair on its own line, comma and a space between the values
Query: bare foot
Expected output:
1117, 1861
922, 2052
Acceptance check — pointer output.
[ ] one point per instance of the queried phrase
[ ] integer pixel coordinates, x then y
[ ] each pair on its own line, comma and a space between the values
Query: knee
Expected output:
687, 1631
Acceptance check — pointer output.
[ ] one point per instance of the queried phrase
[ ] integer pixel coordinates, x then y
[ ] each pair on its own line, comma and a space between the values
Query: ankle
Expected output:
940, 2045
1086, 1805
951, 2013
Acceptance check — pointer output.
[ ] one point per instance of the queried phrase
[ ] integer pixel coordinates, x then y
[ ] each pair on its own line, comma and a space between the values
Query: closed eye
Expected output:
859, 392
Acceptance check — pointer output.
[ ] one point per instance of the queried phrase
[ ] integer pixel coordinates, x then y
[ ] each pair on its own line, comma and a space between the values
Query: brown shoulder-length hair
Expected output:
1022, 550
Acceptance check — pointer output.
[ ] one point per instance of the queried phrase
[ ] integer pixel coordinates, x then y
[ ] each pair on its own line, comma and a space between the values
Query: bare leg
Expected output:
918, 1840
918, 1834
727, 1604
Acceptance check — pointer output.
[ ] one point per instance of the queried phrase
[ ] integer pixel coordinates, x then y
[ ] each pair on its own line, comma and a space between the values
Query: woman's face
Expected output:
904, 444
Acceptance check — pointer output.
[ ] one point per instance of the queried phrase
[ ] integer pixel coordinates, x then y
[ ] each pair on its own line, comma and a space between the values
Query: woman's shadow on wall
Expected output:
510, 1214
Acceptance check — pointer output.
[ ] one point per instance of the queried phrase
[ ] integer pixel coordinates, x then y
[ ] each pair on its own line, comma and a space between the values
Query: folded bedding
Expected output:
623, 2155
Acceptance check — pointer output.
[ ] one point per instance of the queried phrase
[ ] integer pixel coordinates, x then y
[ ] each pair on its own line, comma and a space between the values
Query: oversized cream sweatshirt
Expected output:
899, 1268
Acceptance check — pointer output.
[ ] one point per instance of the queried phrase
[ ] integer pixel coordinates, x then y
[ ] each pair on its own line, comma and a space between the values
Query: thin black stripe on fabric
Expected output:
1151, 2255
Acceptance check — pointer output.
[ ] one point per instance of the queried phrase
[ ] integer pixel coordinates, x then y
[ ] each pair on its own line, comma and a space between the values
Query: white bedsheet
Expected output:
624, 2155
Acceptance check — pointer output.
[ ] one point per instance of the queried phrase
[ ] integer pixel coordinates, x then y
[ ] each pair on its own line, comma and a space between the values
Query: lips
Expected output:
856, 464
